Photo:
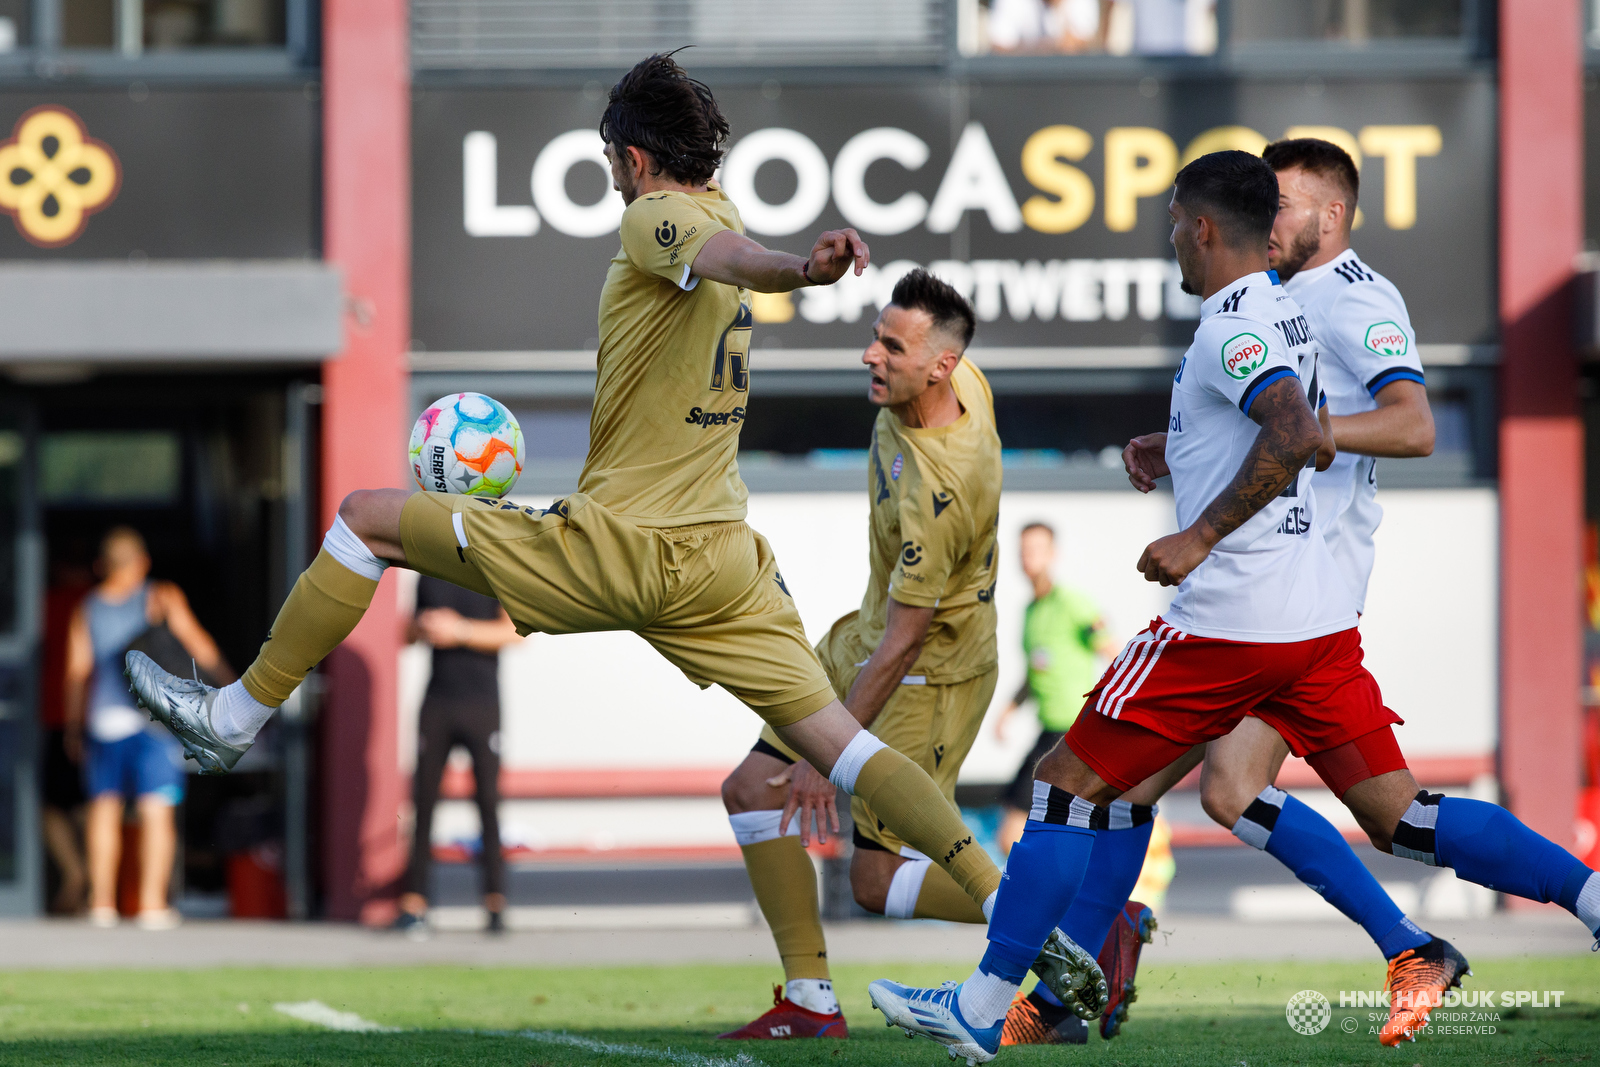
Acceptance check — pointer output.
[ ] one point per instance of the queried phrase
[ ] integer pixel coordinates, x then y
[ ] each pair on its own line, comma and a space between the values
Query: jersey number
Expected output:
732, 365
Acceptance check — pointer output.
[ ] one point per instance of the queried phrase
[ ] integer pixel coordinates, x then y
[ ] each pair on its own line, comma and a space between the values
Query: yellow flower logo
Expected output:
53, 176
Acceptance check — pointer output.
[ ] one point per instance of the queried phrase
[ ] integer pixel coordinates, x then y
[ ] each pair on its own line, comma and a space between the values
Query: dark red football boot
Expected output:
789, 1020
1119, 959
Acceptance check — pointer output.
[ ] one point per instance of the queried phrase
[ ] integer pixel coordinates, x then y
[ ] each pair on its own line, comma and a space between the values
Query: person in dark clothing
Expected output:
461, 707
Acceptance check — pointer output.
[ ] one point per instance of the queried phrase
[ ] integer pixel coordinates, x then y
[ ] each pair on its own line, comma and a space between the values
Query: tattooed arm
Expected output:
1289, 436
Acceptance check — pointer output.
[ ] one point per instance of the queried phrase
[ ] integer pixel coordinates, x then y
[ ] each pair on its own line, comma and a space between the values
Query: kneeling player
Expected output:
916, 664
1262, 623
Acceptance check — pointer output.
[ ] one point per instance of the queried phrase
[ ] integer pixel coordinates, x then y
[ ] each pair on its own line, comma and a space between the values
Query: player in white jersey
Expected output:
1373, 381
1262, 624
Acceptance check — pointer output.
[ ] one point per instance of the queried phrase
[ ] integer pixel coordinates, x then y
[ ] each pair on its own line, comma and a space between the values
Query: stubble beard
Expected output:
1306, 243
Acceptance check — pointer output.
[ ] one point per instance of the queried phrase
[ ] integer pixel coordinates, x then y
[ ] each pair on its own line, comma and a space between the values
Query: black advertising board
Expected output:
160, 174
1046, 202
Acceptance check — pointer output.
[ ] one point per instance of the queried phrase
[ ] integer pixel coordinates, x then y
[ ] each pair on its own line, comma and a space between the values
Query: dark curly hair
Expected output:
657, 108
949, 310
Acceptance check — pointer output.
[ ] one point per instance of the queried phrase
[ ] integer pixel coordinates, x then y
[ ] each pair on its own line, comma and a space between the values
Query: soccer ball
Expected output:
467, 443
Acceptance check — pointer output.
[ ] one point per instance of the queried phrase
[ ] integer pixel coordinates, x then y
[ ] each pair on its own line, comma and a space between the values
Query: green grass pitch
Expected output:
1227, 1014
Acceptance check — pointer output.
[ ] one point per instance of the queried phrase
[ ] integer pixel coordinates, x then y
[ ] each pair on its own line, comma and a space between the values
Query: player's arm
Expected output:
903, 636
811, 793
734, 259
1145, 460
1401, 426
1289, 436
1328, 450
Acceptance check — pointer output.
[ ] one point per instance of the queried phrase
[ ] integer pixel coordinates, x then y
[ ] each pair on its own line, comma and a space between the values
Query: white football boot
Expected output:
936, 1013
182, 705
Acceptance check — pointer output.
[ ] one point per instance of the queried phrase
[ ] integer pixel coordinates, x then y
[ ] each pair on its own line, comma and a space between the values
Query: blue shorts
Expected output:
146, 764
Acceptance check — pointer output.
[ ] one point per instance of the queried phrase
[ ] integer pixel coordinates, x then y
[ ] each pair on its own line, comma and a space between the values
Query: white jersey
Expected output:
1365, 339
1273, 579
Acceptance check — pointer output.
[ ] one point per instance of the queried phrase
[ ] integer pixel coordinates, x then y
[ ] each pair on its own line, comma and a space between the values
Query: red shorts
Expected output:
1188, 690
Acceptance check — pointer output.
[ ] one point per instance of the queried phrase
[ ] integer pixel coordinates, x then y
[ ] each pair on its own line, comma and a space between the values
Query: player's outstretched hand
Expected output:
1145, 460
812, 796
1169, 559
833, 254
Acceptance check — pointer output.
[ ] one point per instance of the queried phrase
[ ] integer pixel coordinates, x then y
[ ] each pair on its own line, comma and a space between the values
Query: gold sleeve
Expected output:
663, 232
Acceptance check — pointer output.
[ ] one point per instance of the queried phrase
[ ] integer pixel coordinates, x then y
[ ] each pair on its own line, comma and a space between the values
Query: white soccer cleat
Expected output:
936, 1013
182, 705
1073, 975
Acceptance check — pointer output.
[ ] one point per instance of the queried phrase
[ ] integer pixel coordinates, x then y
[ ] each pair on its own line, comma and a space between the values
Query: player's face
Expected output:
905, 346
1036, 551
1303, 201
623, 178
1185, 245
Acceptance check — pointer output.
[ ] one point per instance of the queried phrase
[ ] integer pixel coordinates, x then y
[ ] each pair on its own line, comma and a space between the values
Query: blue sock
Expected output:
1114, 867
1485, 843
1319, 856
1042, 875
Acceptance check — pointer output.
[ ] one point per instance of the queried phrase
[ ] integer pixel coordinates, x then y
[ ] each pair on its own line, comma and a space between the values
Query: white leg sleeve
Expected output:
861, 748
343, 545
753, 827
904, 889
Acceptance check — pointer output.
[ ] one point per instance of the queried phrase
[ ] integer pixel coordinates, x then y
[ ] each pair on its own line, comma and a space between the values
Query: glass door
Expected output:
21, 564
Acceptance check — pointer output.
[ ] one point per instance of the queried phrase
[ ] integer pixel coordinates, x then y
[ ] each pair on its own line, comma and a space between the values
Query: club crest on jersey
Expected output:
1387, 339
1243, 355
897, 466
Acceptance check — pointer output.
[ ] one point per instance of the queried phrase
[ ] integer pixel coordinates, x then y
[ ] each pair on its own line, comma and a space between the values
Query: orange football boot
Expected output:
1418, 979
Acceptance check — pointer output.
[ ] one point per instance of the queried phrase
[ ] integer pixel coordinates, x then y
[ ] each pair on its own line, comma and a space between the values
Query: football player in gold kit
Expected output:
654, 541
916, 664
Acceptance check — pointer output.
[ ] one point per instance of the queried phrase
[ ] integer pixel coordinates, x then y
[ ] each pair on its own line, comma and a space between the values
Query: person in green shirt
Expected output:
1063, 637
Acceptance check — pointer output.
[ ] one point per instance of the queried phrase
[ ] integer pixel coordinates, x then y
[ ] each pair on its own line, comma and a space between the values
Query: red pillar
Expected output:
1541, 433
367, 232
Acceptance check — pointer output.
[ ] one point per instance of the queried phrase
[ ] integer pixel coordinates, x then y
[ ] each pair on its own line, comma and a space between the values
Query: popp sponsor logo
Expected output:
1387, 339
1243, 355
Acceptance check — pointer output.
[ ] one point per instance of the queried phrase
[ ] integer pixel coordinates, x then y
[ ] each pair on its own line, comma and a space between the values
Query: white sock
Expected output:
343, 545
904, 888
754, 827
813, 994
236, 716
862, 747
985, 998
1589, 904
988, 905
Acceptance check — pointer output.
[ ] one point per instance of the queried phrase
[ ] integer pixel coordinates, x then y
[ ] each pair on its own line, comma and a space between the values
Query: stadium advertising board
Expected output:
150, 173
1046, 202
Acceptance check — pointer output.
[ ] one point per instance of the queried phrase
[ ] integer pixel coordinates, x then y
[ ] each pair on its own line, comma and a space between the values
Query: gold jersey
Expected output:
673, 370
935, 511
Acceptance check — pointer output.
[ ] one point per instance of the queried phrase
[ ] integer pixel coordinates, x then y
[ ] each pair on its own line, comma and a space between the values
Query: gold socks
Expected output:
901, 794
323, 607
941, 898
786, 888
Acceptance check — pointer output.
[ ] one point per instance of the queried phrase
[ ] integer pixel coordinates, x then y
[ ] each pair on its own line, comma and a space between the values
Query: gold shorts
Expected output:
934, 725
709, 597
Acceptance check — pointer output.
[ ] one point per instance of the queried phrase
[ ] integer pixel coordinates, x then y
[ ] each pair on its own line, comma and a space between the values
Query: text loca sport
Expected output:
701, 417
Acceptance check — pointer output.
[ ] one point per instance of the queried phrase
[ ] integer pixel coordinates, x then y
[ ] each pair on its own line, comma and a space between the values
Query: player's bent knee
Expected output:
870, 888
1225, 799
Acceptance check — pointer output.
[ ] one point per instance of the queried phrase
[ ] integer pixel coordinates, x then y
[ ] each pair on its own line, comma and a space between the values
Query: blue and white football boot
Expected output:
936, 1013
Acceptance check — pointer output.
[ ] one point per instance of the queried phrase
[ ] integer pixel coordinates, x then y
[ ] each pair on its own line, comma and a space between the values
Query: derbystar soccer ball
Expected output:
467, 443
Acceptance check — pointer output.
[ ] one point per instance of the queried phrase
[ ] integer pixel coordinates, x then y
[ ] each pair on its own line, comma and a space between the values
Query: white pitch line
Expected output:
319, 1014
687, 1059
